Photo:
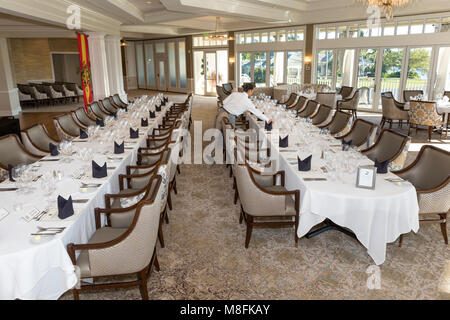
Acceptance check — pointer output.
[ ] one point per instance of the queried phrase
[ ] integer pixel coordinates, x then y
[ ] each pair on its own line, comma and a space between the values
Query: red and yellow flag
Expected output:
85, 65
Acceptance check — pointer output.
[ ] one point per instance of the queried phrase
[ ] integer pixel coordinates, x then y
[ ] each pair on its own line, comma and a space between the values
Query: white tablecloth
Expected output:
377, 217
45, 271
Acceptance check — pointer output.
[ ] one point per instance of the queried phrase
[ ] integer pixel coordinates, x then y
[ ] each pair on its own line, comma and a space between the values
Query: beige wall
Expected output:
31, 58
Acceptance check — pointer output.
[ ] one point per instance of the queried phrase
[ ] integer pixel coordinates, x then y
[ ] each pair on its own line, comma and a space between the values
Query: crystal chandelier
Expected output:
216, 36
386, 5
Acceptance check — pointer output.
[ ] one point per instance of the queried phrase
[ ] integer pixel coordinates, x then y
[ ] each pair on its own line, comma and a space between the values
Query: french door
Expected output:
210, 70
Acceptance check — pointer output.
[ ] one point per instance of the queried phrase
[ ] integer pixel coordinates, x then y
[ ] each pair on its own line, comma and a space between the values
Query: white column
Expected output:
99, 66
114, 61
9, 94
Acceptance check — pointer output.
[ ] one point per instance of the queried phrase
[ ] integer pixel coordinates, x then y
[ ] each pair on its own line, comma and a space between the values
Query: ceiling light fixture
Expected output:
386, 5
216, 36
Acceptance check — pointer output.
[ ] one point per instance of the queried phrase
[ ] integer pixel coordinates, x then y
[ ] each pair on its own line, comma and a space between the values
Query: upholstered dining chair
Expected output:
350, 104
391, 111
391, 146
82, 118
221, 95
121, 251
227, 88
424, 113
408, 94
309, 110
118, 101
300, 105
275, 203
107, 106
14, 153
326, 98
362, 134
430, 175
36, 140
322, 115
346, 92
290, 101
66, 127
98, 111
339, 124
389, 94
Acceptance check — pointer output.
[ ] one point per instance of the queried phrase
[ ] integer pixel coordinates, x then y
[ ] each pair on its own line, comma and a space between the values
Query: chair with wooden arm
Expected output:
350, 104
14, 153
362, 134
121, 251
108, 106
82, 118
277, 206
36, 140
322, 115
300, 105
98, 111
66, 127
408, 94
339, 124
392, 112
309, 110
430, 175
290, 101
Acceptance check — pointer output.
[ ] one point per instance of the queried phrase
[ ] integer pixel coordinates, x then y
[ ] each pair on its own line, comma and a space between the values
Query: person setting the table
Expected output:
239, 102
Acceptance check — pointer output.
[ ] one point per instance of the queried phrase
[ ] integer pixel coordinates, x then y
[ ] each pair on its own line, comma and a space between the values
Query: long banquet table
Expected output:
44, 270
377, 217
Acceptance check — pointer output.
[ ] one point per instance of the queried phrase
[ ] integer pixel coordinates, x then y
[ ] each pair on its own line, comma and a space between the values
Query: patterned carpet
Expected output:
205, 256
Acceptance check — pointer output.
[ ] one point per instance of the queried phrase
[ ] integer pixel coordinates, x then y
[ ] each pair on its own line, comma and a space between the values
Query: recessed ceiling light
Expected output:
148, 2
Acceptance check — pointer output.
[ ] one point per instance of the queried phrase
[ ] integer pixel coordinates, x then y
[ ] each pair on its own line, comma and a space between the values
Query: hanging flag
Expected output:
85, 67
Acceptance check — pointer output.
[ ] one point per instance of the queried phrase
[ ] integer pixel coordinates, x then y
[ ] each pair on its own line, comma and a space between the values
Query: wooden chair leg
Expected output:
76, 295
156, 263
175, 185
383, 121
142, 276
430, 132
390, 124
169, 200
178, 169
160, 233
409, 130
400, 243
249, 231
444, 227
236, 195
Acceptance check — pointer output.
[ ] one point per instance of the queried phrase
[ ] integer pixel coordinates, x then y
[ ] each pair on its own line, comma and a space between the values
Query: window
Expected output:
353, 31
445, 26
416, 27
282, 36
331, 33
418, 68
389, 29
324, 67
291, 35
172, 65
245, 67
443, 71
182, 63
248, 38
300, 35
160, 47
402, 28
273, 37
363, 31
341, 32
431, 26
294, 67
321, 33
260, 64
150, 65
375, 31
276, 68
256, 38
241, 38
264, 37
140, 65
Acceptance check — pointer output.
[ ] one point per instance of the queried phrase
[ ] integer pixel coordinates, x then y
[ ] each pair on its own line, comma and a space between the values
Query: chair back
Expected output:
68, 125
389, 146
38, 137
108, 106
14, 153
117, 101
81, 115
220, 93
408, 94
291, 100
326, 98
309, 110
430, 169
97, 111
254, 201
228, 88
424, 113
322, 115
135, 247
300, 105
353, 103
339, 122
360, 133
346, 92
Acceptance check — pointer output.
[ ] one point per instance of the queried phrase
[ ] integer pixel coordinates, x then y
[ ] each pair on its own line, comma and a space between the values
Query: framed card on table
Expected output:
366, 177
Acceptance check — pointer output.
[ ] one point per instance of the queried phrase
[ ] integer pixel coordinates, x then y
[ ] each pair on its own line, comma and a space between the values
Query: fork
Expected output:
55, 229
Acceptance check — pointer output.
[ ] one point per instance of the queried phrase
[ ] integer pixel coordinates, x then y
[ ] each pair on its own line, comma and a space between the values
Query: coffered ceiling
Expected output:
157, 18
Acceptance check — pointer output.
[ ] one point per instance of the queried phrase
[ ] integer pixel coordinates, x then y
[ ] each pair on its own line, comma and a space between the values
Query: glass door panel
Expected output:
162, 85
150, 66
245, 68
172, 65
345, 67
367, 63
419, 62
442, 82
276, 68
294, 67
324, 72
199, 72
140, 65
222, 67
182, 64
391, 71
211, 73
260, 64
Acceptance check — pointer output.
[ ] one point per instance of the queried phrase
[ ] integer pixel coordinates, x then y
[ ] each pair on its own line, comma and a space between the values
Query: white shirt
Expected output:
238, 102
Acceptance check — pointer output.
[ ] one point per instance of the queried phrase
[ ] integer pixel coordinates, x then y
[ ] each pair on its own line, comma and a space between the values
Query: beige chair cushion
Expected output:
100, 236
290, 203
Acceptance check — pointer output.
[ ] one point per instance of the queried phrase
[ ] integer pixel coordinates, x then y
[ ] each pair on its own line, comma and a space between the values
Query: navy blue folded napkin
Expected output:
134, 134
100, 122
99, 172
65, 208
53, 149
304, 165
158, 109
165, 100
83, 134
284, 143
152, 115
119, 148
346, 145
382, 167
115, 115
268, 126
11, 172
144, 122
126, 109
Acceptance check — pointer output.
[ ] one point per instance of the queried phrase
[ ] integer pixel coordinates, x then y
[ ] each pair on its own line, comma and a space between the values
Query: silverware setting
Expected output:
315, 179
40, 215
37, 178
81, 201
48, 160
90, 185
54, 229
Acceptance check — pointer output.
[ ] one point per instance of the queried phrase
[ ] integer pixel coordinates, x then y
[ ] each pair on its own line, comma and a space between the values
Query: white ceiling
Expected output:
157, 18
